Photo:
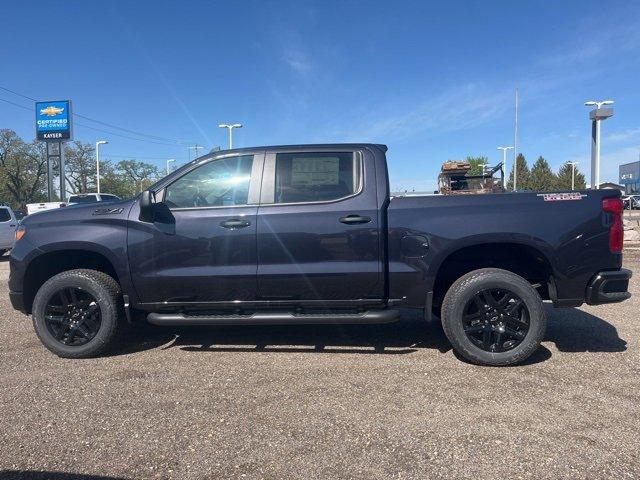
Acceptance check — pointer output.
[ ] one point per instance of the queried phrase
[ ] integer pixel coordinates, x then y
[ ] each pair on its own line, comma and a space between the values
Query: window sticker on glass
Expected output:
315, 171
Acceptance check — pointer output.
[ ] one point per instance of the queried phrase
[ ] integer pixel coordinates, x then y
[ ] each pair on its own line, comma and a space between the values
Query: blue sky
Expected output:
432, 80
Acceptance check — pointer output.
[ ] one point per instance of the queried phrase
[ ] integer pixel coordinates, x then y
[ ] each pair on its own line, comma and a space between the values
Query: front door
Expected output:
318, 228
205, 253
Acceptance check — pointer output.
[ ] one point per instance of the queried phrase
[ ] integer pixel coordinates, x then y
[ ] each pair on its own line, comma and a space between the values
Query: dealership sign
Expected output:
630, 173
53, 121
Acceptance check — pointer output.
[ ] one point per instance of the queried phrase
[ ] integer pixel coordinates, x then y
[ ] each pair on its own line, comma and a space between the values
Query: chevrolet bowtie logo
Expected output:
51, 111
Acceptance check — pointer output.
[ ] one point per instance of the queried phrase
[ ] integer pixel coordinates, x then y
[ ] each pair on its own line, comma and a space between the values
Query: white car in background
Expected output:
8, 224
39, 207
92, 198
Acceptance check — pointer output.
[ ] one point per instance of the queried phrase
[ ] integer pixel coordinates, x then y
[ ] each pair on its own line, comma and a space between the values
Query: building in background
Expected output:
630, 177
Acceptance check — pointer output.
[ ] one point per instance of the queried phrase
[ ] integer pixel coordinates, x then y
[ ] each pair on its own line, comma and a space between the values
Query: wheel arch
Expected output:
54, 261
529, 260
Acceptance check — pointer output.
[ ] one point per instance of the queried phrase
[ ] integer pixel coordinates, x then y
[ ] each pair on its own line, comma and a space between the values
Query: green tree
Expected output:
127, 178
140, 173
477, 165
80, 167
114, 181
564, 178
23, 170
522, 176
542, 178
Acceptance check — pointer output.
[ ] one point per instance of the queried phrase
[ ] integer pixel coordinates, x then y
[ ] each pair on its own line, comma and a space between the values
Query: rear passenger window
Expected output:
5, 216
315, 177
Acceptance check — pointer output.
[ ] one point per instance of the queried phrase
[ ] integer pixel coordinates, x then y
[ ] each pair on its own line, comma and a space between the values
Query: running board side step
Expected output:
273, 318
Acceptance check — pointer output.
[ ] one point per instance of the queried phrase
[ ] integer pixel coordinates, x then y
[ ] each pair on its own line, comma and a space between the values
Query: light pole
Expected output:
98, 143
597, 115
504, 164
573, 174
230, 127
168, 162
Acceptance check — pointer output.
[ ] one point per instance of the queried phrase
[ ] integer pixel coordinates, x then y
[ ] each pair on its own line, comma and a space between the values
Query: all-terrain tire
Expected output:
107, 294
462, 291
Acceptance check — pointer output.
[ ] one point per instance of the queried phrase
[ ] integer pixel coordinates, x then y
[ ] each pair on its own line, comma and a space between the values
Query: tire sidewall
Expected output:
108, 313
463, 291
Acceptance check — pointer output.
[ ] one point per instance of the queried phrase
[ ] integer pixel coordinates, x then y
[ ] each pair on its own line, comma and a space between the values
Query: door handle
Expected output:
235, 223
354, 219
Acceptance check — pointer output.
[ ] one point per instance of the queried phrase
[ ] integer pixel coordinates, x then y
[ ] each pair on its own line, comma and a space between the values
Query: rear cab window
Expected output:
82, 199
108, 198
316, 176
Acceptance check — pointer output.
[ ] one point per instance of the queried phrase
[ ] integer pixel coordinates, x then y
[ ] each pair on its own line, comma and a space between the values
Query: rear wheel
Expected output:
76, 313
493, 317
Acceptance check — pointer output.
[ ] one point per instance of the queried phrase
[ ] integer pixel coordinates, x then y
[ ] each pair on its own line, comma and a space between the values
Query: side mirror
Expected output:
147, 200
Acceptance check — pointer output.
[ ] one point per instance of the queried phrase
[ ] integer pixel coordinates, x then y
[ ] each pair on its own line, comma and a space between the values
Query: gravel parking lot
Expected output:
334, 402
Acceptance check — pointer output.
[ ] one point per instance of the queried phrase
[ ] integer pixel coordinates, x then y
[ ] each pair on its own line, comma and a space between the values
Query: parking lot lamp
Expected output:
230, 127
168, 163
98, 143
597, 115
504, 164
573, 174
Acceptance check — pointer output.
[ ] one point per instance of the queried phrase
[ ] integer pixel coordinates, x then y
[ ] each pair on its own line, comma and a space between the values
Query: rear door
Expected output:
318, 227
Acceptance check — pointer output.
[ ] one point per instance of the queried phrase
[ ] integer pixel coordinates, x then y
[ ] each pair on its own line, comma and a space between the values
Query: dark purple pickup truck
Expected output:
309, 234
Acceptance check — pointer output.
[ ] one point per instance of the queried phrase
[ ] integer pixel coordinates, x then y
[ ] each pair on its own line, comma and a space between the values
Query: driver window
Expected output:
219, 183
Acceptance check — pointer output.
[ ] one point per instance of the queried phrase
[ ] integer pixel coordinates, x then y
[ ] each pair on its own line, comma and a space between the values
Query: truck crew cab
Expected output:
309, 234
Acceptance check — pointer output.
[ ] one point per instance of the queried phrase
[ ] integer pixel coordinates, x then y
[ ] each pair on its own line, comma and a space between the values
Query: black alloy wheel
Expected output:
493, 317
72, 316
496, 320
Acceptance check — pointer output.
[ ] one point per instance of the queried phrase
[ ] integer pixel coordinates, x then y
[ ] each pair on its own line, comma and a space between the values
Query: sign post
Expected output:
54, 126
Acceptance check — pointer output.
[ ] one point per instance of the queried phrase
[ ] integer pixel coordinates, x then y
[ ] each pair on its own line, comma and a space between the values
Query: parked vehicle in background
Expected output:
39, 207
8, 224
19, 215
631, 202
92, 198
454, 179
309, 234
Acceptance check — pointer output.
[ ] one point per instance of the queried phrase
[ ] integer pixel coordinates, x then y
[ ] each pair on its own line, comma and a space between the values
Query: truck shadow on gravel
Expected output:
571, 330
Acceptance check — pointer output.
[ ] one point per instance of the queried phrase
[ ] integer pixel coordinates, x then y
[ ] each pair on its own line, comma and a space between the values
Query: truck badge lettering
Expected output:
560, 197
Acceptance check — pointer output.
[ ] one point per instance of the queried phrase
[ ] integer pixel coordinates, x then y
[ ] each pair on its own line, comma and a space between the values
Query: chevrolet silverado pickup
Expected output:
309, 234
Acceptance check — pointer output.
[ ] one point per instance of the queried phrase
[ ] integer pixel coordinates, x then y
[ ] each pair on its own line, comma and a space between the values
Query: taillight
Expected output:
614, 206
20, 232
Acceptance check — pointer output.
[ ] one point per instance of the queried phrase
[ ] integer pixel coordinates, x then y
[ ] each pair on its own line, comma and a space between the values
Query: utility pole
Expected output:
195, 147
504, 164
230, 127
98, 143
515, 147
596, 116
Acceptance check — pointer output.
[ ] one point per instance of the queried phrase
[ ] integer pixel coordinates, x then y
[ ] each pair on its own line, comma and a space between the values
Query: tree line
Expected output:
540, 178
23, 172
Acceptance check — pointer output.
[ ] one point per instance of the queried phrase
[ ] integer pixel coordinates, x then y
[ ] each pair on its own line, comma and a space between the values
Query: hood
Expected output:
79, 211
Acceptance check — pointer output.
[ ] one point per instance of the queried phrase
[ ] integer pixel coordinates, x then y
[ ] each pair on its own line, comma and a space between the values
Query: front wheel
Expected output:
76, 314
493, 317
